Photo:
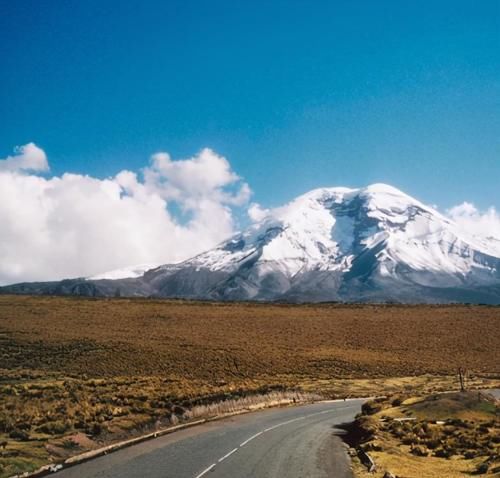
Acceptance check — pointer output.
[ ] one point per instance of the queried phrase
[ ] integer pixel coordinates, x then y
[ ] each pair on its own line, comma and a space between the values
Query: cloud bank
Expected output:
470, 219
76, 225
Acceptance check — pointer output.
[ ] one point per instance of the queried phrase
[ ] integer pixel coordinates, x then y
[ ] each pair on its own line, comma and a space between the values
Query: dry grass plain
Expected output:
217, 342
76, 373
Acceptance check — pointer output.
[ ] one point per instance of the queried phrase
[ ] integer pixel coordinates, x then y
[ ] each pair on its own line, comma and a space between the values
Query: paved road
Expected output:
295, 442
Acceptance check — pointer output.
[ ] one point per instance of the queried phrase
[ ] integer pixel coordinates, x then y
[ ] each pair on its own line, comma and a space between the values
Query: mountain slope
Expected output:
332, 244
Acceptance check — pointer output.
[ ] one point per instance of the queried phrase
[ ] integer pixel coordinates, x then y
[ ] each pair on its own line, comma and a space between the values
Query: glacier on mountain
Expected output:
330, 244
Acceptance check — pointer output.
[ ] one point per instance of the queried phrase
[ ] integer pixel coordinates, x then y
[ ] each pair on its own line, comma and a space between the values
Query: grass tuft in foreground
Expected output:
449, 434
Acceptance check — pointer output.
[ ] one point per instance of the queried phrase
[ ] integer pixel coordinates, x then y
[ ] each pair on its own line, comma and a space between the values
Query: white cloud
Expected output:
26, 158
77, 225
204, 174
256, 213
207, 176
471, 220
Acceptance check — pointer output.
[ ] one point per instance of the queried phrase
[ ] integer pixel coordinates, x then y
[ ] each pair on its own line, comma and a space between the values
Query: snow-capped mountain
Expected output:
331, 244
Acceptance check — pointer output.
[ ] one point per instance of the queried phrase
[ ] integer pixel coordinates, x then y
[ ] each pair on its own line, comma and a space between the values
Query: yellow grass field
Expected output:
214, 341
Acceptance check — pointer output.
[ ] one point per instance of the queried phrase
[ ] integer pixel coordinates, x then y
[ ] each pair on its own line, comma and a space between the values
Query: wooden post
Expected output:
461, 377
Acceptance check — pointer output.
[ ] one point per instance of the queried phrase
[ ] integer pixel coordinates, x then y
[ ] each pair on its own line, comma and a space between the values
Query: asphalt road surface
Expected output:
293, 442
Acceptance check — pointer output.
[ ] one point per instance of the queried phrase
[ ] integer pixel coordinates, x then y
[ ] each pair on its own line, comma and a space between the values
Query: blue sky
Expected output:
295, 94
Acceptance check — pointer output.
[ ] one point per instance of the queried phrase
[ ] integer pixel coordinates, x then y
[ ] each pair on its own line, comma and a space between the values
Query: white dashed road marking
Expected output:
283, 423
251, 438
227, 455
206, 470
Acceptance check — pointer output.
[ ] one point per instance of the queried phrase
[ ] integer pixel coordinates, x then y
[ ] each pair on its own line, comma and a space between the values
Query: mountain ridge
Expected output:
374, 244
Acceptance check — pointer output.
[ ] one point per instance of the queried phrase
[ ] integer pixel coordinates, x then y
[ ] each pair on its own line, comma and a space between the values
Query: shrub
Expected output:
178, 410
396, 402
17, 434
442, 453
366, 427
419, 451
432, 443
23, 425
410, 439
69, 444
55, 428
371, 407
95, 429
482, 468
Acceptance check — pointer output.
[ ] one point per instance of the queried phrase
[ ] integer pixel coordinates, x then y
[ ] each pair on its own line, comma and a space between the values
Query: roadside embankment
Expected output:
454, 434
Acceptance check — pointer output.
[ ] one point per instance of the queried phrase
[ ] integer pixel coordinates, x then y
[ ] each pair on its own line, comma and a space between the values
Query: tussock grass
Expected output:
250, 402
452, 434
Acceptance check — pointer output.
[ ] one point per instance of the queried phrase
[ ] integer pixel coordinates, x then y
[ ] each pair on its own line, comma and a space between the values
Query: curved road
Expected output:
294, 442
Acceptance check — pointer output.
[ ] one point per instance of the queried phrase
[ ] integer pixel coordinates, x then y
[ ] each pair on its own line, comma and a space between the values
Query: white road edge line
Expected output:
205, 471
227, 455
251, 438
